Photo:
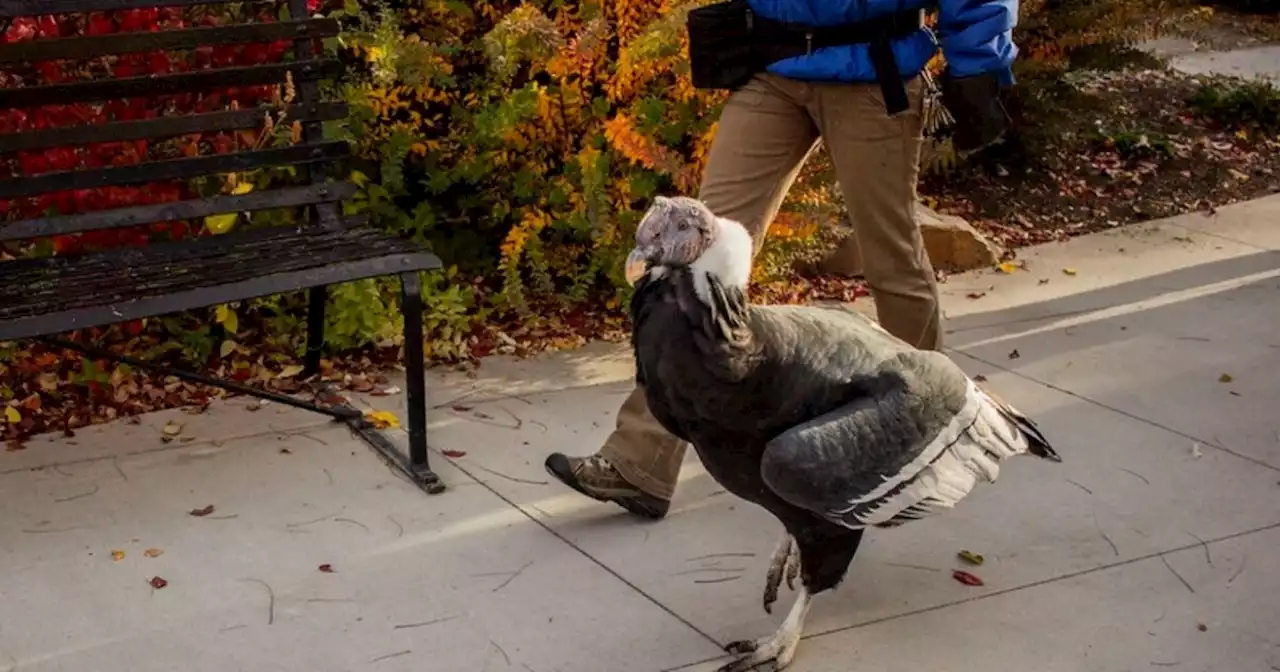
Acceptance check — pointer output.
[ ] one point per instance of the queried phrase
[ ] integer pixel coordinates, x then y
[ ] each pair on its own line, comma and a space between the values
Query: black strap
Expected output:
774, 41
892, 88
889, 26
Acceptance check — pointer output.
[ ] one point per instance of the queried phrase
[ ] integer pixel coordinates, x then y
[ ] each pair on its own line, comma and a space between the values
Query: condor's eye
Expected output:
683, 225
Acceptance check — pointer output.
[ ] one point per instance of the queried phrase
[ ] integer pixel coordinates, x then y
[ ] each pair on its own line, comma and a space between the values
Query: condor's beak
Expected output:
637, 263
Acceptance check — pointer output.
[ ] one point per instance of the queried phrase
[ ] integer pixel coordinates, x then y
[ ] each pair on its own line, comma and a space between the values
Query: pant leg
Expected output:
764, 136
877, 160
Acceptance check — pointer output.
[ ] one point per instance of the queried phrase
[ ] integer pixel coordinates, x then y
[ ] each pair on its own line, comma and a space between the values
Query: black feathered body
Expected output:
796, 408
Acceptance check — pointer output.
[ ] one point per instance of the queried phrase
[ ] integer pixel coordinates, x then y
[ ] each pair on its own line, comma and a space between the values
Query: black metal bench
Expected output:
43, 297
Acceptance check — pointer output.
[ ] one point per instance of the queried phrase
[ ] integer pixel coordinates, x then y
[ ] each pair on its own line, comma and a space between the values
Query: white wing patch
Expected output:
970, 448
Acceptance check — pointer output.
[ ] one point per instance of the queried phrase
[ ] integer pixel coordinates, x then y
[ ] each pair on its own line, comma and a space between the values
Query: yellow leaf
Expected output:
220, 224
290, 371
1007, 267
12, 415
1069, 271
172, 428
227, 317
242, 189
228, 347
153, 552
383, 419
117, 556
1225, 378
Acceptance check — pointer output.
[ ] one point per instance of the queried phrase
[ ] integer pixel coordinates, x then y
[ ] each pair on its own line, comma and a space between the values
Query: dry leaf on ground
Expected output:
153, 552
157, 582
971, 557
200, 513
117, 556
966, 578
383, 419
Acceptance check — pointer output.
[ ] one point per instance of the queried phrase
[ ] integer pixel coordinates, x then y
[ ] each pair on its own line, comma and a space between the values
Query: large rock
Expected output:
953, 244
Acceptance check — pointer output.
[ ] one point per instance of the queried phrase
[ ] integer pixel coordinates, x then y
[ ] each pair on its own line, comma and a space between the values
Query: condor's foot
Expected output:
785, 562
776, 650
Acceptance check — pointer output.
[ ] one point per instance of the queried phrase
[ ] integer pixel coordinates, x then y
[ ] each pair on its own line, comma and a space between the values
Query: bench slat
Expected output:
58, 294
154, 85
173, 169
15, 8
92, 46
166, 127
287, 197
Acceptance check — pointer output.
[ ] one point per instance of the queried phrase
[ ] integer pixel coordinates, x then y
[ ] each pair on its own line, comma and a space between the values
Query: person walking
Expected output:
851, 74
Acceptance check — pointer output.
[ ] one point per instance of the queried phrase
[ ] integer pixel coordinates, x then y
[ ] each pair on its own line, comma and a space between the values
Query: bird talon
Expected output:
741, 646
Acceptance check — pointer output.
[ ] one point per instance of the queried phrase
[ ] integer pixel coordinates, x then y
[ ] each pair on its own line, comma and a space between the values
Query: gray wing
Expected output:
870, 461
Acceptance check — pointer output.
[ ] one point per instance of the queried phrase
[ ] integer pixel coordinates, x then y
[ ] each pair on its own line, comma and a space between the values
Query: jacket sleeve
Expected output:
977, 37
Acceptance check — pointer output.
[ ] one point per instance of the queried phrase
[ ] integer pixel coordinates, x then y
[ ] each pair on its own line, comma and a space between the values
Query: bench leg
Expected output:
317, 299
416, 382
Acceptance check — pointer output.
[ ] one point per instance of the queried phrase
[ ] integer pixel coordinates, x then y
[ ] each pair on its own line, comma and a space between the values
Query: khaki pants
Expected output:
767, 130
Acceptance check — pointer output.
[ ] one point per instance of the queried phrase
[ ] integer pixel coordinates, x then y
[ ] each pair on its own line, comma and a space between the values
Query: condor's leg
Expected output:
824, 554
784, 562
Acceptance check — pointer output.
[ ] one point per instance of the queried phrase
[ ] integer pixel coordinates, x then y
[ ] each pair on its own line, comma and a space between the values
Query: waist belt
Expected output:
729, 42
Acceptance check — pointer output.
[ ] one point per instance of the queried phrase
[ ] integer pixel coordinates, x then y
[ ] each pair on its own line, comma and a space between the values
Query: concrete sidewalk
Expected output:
1152, 547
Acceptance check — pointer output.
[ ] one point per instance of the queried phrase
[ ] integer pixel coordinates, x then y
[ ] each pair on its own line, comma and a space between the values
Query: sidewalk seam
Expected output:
1076, 395
1014, 589
611, 571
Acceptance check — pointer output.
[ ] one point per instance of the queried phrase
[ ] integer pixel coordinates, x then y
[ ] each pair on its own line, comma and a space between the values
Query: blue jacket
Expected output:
976, 37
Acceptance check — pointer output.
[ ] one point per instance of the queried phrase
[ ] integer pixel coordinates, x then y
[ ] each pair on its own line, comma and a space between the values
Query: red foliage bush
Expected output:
109, 154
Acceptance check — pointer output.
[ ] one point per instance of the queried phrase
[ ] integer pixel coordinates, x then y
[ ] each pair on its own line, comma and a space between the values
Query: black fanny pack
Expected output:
729, 43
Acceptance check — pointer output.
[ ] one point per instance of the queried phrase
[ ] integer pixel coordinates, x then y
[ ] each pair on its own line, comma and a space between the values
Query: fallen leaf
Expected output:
1069, 271
153, 552
227, 349
12, 415
455, 453
979, 378
200, 513
966, 578
1014, 354
172, 429
1044, 281
117, 556
975, 295
1007, 267
971, 557
286, 451
158, 583
383, 419
290, 371
220, 224
326, 568
1202, 627
461, 409
1225, 378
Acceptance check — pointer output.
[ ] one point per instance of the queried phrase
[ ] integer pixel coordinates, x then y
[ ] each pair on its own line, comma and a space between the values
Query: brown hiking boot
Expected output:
594, 477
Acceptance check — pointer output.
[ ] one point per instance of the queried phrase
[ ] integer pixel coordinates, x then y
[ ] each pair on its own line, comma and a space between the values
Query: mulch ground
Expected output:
1133, 150
1130, 149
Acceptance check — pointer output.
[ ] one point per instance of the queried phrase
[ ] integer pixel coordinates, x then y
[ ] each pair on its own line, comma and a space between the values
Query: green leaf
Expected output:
226, 316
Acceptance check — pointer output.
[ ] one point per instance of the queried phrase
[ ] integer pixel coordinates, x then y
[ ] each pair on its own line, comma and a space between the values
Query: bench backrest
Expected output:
86, 120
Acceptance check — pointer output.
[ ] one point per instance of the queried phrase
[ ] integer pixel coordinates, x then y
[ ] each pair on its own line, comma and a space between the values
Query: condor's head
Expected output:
683, 232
